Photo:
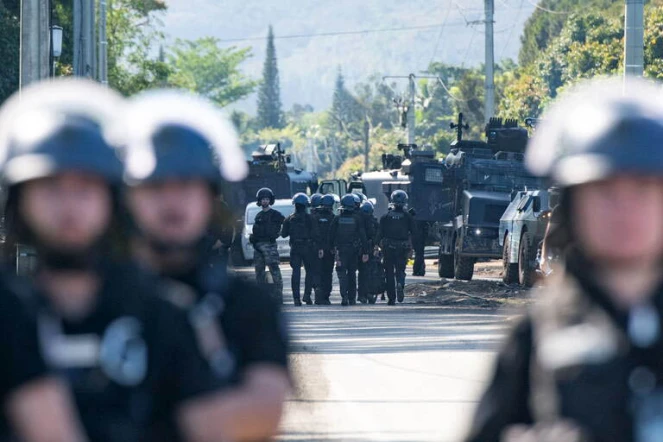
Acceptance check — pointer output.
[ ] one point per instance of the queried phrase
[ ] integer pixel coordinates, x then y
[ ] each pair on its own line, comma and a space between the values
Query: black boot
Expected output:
307, 299
391, 301
297, 301
344, 301
399, 293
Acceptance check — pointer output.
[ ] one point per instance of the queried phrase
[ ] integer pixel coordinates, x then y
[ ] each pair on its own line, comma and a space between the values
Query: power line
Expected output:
508, 39
439, 38
537, 6
338, 33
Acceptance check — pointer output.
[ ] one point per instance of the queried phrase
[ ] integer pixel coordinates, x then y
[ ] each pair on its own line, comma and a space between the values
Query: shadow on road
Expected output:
381, 329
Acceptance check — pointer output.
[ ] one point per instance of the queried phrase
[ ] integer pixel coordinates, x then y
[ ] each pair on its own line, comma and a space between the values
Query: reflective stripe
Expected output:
61, 351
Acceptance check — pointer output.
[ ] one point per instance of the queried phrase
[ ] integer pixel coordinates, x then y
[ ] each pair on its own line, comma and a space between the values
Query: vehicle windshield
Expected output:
253, 211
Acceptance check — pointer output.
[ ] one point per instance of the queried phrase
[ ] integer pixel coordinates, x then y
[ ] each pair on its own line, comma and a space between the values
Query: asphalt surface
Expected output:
380, 373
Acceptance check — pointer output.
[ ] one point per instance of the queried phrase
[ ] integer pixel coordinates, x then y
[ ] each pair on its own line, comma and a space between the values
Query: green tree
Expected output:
203, 67
270, 113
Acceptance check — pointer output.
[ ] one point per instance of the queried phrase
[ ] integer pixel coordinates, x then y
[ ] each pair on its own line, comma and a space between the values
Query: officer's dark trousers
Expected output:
362, 282
347, 272
324, 272
419, 246
301, 254
395, 260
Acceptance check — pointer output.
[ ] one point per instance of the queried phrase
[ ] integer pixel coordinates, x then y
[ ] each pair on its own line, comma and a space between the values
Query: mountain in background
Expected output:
308, 65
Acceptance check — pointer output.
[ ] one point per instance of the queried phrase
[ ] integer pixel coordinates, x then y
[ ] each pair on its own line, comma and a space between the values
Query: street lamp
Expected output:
56, 45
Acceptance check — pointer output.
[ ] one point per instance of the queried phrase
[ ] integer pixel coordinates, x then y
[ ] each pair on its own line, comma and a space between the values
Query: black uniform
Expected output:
19, 347
371, 225
323, 218
574, 358
301, 228
131, 362
419, 245
348, 237
249, 328
394, 235
266, 228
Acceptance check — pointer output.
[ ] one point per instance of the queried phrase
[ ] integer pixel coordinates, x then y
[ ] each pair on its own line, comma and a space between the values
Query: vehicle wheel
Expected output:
445, 265
463, 266
509, 270
526, 272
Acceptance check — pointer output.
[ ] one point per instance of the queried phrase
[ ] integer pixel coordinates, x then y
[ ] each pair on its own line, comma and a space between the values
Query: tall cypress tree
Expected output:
270, 113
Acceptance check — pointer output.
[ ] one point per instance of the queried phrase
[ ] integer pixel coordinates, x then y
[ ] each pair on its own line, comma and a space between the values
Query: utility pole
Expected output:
103, 44
35, 41
633, 39
489, 104
411, 115
84, 41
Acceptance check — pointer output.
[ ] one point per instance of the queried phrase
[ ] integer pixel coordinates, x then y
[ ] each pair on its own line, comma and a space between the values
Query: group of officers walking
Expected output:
129, 330
352, 241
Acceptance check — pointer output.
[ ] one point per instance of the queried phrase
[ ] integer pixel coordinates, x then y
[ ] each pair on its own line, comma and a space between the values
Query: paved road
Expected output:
380, 373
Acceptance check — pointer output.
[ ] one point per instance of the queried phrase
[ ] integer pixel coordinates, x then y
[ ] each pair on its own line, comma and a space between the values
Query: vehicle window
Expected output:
524, 203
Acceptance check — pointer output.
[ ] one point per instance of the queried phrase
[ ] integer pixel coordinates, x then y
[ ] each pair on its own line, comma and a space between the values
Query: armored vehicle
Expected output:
476, 188
522, 229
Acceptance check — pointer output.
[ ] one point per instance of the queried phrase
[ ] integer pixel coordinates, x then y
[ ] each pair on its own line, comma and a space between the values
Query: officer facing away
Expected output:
237, 324
323, 219
348, 239
300, 227
316, 200
130, 357
371, 225
585, 363
266, 228
395, 237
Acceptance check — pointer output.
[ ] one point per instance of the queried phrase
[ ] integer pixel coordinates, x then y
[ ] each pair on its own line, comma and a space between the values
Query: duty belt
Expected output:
396, 243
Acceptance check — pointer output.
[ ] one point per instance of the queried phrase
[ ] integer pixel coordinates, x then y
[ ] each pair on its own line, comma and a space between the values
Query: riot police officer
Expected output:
323, 218
316, 199
585, 362
300, 227
348, 239
266, 228
371, 225
129, 356
237, 324
395, 237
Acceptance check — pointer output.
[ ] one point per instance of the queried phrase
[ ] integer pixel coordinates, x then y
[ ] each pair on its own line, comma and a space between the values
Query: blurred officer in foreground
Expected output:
395, 237
323, 218
300, 227
586, 363
348, 239
238, 326
130, 357
266, 228
371, 226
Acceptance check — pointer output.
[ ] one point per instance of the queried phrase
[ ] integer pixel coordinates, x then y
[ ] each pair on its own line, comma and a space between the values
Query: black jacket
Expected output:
572, 357
267, 226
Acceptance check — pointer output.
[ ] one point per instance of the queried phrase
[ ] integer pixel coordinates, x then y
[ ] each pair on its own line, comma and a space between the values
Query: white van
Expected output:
284, 206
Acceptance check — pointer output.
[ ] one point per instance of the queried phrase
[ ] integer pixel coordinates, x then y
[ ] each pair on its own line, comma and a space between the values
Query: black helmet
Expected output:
301, 199
169, 134
399, 197
327, 201
316, 198
349, 202
56, 127
367, 207
265, 192
597, 131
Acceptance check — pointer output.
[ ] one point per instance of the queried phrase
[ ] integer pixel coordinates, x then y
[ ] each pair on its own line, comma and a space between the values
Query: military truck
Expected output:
522, 230
475, 191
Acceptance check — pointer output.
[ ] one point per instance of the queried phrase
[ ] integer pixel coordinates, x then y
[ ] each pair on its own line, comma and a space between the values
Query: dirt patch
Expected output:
486, 290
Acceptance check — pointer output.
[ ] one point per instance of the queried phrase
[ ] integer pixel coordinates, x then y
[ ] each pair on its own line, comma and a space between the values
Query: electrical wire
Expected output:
339, 33
537, 6
508, 39
439, 37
